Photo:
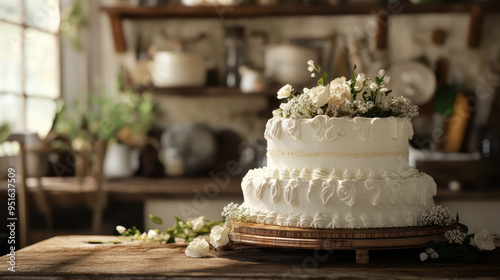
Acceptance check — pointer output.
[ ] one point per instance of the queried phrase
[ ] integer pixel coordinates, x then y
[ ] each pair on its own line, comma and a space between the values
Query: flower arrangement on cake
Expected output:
356, 97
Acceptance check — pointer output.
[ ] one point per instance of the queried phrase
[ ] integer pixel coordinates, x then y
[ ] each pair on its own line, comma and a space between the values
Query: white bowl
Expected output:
177, 69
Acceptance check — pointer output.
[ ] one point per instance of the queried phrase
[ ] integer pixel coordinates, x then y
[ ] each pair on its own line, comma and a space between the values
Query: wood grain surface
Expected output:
72, 257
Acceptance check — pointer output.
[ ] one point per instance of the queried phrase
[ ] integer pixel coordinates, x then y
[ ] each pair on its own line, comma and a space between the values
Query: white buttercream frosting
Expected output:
337, 173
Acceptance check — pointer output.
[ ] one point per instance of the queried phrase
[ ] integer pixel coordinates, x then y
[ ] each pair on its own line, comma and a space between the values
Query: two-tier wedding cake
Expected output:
338, 158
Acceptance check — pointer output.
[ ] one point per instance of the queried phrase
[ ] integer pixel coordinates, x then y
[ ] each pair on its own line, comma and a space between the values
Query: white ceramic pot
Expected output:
251, 80
120, 161
177, 69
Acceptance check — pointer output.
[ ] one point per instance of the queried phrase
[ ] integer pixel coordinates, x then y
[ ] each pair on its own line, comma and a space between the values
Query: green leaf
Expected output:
156, 220
319, 68
387, 92
463, 227
378, 80
354, 69
321, 82
325, 76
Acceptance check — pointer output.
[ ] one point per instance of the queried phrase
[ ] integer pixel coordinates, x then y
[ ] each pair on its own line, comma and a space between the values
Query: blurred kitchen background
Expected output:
115, 109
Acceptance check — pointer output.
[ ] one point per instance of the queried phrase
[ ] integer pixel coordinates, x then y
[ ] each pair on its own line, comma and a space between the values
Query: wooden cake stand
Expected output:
361, 240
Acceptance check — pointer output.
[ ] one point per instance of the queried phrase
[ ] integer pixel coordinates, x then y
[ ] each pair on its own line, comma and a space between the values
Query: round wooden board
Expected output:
361, 240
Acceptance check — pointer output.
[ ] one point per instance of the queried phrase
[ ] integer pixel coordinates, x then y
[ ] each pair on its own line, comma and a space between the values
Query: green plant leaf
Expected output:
156, 220
321, 82
354, 68
319, 68
463, 227
378, 80
325, 76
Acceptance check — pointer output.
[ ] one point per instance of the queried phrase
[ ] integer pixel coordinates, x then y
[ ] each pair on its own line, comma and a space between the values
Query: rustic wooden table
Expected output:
72, 257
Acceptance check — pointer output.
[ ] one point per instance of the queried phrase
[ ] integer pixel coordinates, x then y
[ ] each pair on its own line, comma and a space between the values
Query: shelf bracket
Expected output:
475, 26
382, 19
116, 27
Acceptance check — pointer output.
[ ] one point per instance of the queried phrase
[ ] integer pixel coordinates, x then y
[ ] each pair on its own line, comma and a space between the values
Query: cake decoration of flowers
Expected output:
357, 97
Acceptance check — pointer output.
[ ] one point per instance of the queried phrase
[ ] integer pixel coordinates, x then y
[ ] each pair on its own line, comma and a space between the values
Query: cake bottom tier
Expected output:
315, 201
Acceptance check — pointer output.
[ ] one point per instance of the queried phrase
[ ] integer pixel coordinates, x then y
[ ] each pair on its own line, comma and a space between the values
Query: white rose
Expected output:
285, 92
153, 235
198, 248
198, 223
483, 240
120, 229
319, 95
219, 236
339, 91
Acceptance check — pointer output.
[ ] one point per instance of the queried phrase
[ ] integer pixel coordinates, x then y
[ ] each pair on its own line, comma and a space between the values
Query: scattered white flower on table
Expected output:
483, 240
153, 234
219, 236
120, 229
319, 95
434, 255
198, 223
179, 240
198, 248
455, 236
424, 256
285, 91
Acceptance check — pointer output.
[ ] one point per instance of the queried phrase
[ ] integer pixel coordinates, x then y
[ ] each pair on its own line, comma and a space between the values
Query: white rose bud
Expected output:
381, 72
483, 240
387, 79
285, 92
360, 78
219, 236
120, 229
424, 256
310, 68
198, 248
310, 62
313, 75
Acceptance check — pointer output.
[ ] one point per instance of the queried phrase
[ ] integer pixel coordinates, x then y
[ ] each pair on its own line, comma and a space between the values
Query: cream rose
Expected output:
339, 91
198, 248
319, 95
219, 236
483, 240
285, 92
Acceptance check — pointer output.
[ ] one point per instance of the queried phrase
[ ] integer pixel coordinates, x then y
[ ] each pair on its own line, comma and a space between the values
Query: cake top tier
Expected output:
356, 97
352, 144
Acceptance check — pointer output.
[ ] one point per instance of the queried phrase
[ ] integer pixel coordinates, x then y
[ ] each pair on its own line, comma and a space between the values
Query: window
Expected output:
29, 64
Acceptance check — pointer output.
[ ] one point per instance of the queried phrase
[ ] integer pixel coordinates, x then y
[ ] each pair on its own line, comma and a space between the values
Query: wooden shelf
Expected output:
254, 11
382, 12
209, 92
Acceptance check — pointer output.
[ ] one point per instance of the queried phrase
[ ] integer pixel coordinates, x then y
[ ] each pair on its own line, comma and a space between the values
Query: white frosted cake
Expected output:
337, 171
